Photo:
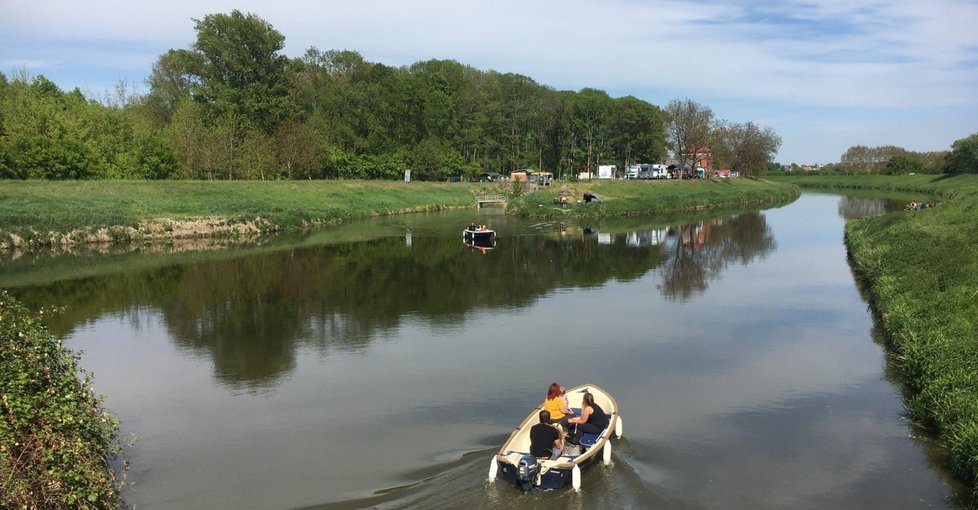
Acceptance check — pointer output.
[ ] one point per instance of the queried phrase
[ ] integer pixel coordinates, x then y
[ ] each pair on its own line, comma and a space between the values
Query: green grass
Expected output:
41, 212
648, 198
921, 271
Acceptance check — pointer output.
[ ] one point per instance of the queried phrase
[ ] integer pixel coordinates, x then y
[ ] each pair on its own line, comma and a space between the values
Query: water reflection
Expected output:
250, 314
853, 208
699, 252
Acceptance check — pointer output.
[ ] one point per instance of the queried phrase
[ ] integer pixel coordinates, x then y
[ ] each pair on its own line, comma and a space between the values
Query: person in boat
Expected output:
546, 440
471, 227
556, 405
593, 419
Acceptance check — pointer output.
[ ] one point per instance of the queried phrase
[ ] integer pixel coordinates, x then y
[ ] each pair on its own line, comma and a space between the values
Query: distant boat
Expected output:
515, 465
474, 233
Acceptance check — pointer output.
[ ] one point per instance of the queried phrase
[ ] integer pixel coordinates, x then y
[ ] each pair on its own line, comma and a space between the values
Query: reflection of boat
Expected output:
474, 233
482, 245
515, 465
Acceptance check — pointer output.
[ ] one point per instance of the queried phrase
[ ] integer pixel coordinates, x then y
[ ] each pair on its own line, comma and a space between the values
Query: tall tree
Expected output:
589, 115
754, 148
235, 68
964, 156
690, 126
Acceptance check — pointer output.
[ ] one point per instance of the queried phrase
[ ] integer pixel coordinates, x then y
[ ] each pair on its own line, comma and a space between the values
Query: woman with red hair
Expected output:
555, 403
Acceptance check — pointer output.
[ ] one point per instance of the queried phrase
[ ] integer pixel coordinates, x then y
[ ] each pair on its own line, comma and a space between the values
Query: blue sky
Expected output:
824, 74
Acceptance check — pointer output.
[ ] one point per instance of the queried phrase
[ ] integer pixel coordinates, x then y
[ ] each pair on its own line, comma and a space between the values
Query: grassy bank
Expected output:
921, 270
38, 213
55, 441
646, 198
44, 213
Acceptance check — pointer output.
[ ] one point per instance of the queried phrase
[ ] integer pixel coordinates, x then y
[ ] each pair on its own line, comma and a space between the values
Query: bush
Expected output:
55, 440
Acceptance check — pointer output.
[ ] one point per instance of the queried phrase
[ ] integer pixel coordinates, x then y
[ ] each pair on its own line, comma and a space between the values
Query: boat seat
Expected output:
589, 439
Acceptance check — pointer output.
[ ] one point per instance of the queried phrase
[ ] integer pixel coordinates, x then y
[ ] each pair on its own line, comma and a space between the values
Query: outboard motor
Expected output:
526, 472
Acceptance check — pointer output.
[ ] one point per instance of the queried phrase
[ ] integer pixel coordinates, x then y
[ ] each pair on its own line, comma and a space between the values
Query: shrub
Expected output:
55, 440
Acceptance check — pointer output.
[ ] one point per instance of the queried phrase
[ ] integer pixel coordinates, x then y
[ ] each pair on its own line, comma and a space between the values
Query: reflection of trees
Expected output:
852, 208
250, 314
698, 252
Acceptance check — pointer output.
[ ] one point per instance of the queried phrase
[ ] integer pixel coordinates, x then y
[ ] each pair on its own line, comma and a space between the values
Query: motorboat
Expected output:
478, 233
514, 463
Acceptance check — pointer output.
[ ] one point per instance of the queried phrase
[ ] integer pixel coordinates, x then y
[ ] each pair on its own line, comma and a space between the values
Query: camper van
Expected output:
659, 172
634, 171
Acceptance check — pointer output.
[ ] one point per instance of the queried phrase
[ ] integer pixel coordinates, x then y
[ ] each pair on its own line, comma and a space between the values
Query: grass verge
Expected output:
46, 213
55, 440
921, 271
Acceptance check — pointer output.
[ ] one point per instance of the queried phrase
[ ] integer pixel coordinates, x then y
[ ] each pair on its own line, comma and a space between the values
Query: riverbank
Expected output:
921, 271
37, 214
648, 198
55, 439
61, 213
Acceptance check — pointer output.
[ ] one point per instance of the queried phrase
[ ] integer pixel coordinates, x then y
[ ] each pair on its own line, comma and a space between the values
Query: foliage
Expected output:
863, 159
55, 440
898, 165
232, 106
689, 132
746, 148
48, 134
964, 156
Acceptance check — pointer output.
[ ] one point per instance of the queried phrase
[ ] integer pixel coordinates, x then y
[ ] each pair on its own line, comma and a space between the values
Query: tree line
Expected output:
232, 106
893, 160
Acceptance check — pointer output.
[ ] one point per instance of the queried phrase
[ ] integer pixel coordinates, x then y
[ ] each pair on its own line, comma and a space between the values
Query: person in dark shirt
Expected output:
593, 419
546, 440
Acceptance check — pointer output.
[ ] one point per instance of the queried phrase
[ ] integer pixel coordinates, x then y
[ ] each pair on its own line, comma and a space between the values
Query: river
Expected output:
383, 363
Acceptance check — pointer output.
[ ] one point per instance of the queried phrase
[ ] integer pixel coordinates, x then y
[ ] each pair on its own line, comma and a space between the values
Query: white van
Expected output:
659, 172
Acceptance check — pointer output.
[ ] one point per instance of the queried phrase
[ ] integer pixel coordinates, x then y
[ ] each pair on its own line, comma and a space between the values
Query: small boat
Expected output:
479, 233
515, 465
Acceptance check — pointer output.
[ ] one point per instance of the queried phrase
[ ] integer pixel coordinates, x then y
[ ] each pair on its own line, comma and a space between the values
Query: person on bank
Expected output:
556, 406
593, 419
546, 440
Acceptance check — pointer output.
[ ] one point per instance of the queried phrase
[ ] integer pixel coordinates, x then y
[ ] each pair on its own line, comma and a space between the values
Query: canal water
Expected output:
382, 364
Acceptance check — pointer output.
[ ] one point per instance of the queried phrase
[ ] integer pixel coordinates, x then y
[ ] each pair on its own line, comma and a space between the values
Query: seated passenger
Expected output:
556, 406
593, 419
546, 440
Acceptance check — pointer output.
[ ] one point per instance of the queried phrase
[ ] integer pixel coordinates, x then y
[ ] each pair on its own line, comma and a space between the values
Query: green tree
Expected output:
636, 131
964, 156
690, 128
235, 68
901, 165
754, 147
